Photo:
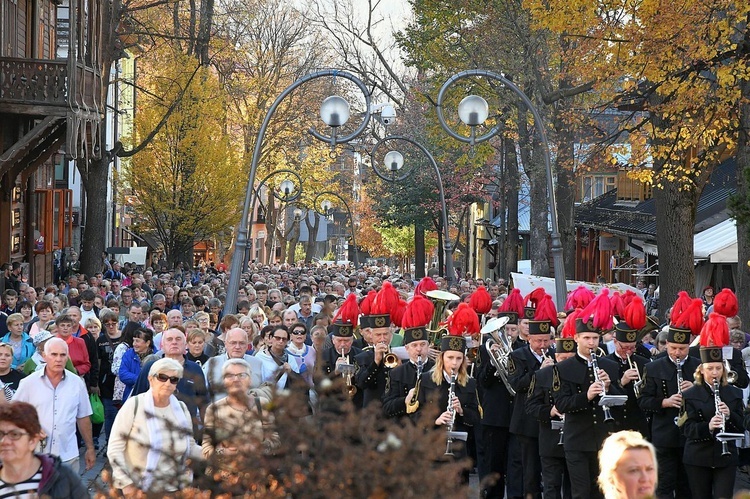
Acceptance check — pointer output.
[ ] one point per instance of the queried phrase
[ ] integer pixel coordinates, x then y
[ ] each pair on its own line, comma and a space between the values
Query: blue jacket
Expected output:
27, 350
130, 368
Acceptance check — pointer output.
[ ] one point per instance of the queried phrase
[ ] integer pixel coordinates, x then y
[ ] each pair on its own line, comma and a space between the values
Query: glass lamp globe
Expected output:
394, 161
326, 205
334, 111
473, 110
287, 187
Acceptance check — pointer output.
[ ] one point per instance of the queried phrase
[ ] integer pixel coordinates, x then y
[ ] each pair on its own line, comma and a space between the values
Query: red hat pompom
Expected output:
463, 321
480, 300
365, 305
418, 312
387, 299
680, 305
426, 284
692, 317
397, 314
513, 303
546, 311
579, 298
535, 296
715, 332
635, 314
628, 297
569, 329
599, 311
349, 311
618, 305
725, 303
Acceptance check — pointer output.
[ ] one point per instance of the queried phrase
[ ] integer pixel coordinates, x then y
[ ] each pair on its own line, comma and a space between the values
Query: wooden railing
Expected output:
33, 81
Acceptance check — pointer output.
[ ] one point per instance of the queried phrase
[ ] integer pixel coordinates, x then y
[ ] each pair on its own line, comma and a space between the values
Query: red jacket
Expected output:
78, 354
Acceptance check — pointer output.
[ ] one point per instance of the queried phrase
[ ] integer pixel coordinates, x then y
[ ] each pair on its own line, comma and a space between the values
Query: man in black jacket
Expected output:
400, 387
633, 418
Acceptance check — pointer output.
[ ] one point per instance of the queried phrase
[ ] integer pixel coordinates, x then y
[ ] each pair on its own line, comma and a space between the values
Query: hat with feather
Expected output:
714, 337
417, 316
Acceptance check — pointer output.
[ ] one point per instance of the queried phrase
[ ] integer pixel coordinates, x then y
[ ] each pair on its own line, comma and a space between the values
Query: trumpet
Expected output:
347, 372
595, 365
639, 382
413, 404
390, 359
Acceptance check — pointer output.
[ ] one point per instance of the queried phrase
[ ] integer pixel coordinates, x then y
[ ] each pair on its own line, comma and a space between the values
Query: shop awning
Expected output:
717, 244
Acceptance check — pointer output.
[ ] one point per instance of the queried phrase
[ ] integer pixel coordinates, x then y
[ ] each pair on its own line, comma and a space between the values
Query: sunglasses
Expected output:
299, 332
282, 338
164, 378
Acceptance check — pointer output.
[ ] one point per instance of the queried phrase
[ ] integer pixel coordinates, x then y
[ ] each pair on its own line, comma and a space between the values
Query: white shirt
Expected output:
316, 308
270, 368
214, 381
58, 408
86, 315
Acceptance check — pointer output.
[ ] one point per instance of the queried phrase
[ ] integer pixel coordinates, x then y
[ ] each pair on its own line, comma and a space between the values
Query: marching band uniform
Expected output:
710, 473
522, 365
660, 383
404, 377
633, 417
585, 428
736, 364
330, 356
497, 405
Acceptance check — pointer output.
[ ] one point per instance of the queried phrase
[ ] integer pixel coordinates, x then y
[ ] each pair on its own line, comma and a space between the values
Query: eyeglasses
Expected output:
282, 338
164, 378
110, 323
299, 333
236, 376
13, 434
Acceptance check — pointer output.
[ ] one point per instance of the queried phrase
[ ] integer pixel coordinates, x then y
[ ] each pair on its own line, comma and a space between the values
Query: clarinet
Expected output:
595, 365
451, 395
679, 387
722, 429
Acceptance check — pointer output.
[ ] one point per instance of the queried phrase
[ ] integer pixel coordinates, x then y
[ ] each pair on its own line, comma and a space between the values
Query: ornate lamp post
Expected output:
473, 111
288, 190
334, 111
393, 161
325, 207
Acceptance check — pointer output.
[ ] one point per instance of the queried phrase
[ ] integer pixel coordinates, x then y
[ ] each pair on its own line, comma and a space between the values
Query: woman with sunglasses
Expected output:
152, 438
130, 366
24, 473
301, 354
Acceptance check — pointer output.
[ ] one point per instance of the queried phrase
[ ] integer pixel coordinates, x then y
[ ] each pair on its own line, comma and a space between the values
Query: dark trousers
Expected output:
717, 483
532, 467
493, 467
584, 470
673, 481
514, 476
555, 478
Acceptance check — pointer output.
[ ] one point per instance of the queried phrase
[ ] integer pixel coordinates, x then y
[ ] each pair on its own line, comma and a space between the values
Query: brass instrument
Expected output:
723, 429
544, 355
413, 404
595, 365
562, 430
440, 300
390, 359
499, 359
639, 382
347, 372
731, 375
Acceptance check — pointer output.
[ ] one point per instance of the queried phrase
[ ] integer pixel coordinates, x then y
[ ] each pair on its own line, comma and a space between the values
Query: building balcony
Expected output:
43, 87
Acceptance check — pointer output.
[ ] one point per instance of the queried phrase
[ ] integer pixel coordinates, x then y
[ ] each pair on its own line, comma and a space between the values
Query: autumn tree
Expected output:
186, 181
675, 67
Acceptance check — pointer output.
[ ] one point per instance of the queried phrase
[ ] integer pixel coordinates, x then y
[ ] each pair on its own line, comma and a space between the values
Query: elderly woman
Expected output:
152, 438
302, 355
23, 473
19, 342
627, 464
237, 423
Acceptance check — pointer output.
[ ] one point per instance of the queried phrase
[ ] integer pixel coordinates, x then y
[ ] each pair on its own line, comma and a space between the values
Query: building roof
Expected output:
639, 219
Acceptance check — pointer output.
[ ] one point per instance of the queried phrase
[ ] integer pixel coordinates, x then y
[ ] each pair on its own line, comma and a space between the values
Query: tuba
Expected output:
499, 360
440, 300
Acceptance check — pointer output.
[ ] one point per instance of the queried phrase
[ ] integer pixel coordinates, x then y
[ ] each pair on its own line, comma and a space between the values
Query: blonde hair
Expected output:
437, 371
613, 449
698, 378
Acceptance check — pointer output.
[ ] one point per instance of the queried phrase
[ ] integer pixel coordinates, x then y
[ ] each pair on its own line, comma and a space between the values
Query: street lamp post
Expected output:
326, 206
334, 111
394, 161
473, 111
288, 191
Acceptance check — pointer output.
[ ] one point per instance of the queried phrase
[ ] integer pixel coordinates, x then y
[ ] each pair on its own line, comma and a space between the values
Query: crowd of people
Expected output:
582, 402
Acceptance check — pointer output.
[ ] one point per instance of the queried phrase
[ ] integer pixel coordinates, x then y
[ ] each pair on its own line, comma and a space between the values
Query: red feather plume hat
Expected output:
546, 311
345, 319
597, 316
426, 284
462, 322
512, 307
481, 301
714, 337
579, 298
566, 343
725, 303
417, 316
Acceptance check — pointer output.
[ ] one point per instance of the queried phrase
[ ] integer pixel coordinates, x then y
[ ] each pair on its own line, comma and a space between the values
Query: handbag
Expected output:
97, 408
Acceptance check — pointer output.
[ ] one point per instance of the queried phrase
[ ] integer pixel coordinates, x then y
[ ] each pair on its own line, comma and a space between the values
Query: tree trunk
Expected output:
743, 194
312, 235
565, 190
419, 261
674, 227
271, 217
440, 252
95, 188
510, 258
